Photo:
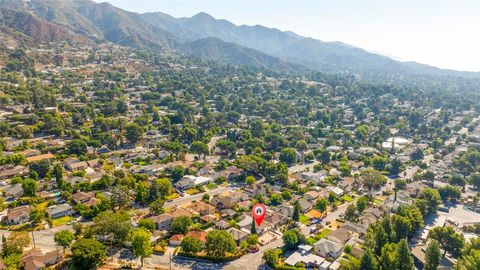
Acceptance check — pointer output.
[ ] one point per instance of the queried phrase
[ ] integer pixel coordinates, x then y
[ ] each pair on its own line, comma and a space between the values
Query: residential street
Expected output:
252, 260
43, 238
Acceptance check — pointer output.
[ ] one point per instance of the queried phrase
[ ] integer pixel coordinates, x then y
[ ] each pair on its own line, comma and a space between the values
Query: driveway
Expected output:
252, 261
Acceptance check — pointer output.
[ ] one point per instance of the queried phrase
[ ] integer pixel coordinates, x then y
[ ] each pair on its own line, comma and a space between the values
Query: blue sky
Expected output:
440, 33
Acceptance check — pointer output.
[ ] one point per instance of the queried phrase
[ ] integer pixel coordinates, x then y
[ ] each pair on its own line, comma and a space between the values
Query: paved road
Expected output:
332, 216
252, 261
43, 238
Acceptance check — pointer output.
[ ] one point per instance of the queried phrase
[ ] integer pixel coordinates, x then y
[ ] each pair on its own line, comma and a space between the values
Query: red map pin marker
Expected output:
258, 212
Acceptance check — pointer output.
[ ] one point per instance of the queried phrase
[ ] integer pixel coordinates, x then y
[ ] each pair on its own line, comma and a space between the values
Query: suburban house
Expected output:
73, 164
200, 235
176, 239
15, 191
238, 235
327, 248
20, 214
305, 206
36, 259
163, 221
189, 181
9, 171
228, 199
57, 211
304, 255
340, 236
40, 157
82, 197
201, 208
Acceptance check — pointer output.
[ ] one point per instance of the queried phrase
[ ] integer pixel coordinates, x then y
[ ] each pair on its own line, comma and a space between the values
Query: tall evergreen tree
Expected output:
296, 211
58, 171
405, 258
432, 256
253, 230
368, 261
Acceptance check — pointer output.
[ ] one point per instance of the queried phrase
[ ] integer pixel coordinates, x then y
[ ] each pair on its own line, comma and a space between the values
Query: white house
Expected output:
327, 248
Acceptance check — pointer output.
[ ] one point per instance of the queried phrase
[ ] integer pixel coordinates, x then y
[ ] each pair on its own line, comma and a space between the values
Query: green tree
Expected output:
296, 211
88, 254
253, 229
147, 224
180, 225
432, 198
58, 172
417, 154
77, 147
475, 180
141, 244
372, 180
156, 207
288, 155
120, 197
332, 198
16, 242
449, 193
160, 188
249, 180
389, 256
199, 148
134, 132
362, 203
292, 238
219, 242
271, 257
405, 258
402, 227
350, 213
252, 239
30, 187
432, 256
470, 259
227, 148
361, 132
142, 193
64, 239
191, 245
321, 205
37, 216
113, 226
450, 240
368, 261
41, 167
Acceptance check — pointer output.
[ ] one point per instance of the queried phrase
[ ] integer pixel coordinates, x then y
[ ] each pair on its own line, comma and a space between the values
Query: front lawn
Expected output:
42, 206
324, 233
172, 196
304, 219
346, 198
377, 201
192, 191
313, 239
61, 221
212, 186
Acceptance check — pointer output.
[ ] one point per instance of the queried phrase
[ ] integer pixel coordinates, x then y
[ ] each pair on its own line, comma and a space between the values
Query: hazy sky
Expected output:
440, 33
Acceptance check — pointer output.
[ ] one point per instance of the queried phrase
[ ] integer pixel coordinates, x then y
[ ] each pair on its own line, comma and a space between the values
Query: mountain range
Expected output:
85, 21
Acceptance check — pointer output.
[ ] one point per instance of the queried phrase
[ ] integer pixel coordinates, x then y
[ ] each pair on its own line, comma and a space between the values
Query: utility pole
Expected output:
33, 236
